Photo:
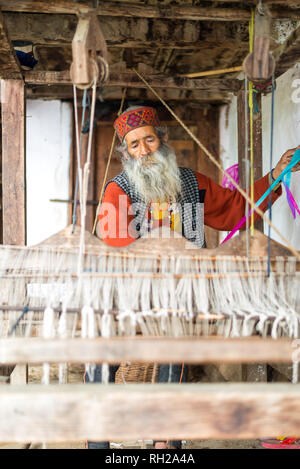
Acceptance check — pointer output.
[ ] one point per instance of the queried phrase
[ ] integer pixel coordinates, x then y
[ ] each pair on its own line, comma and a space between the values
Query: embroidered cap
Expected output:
135, 118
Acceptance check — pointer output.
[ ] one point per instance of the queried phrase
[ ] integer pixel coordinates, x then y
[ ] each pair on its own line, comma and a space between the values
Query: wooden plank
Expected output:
13, 161
130, 80
196, 97
100, 412
130, 10
146, 349
140, 10
140, 32
9, 64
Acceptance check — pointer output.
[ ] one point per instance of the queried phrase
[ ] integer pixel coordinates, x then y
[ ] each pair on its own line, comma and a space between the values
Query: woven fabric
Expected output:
135, 118
191, 206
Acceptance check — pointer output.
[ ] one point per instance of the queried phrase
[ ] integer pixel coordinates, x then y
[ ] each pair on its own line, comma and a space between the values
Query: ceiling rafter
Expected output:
57, 29
130, 79
140, 10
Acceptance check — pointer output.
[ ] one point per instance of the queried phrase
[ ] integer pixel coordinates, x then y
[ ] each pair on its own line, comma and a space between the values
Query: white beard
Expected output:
156, 176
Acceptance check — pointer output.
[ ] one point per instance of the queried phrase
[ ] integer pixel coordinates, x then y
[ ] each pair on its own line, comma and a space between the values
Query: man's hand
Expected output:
284, 161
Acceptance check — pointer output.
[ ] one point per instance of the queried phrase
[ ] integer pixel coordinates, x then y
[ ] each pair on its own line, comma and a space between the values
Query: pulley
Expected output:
259, 65
89, 52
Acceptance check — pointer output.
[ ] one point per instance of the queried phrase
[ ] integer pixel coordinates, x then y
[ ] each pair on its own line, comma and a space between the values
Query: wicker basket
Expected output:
135, 372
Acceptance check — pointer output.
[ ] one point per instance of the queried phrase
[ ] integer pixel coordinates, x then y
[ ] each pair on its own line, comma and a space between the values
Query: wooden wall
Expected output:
203, 122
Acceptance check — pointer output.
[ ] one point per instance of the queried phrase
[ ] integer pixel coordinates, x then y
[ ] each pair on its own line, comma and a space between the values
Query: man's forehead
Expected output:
140, 133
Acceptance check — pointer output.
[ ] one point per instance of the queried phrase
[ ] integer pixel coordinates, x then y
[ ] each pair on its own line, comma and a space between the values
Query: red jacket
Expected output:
223, 209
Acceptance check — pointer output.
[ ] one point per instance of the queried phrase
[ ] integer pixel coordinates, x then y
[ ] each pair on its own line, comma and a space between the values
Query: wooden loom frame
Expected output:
220, 411
42, 413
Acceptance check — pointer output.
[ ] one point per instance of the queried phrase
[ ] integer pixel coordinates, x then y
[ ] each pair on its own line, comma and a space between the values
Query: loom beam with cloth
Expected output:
164, 282
74, 289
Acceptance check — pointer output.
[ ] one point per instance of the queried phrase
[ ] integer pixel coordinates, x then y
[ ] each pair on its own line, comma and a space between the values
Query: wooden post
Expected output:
253, 372
13, 175
13, 162
257, 143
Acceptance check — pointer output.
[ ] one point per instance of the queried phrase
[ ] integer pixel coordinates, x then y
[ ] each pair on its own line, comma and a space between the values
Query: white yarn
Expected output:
48, 333
88, 323
88, 330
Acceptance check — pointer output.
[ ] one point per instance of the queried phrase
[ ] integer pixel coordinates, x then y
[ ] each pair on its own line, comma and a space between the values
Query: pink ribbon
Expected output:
233, 171
291, 201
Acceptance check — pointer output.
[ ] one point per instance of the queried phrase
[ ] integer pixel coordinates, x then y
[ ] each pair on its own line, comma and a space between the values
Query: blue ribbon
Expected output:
285, 173
287, 170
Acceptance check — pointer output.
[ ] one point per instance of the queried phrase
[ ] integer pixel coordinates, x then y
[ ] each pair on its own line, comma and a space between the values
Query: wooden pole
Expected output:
257, 143
13, 162
147, 349
13, 175
110, 412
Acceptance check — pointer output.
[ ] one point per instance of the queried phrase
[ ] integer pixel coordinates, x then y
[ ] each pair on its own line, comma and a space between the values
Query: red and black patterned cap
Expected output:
135, 118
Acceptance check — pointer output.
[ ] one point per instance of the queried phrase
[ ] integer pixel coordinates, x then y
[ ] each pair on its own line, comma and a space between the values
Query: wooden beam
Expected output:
128, 9
196, 97
136, 10
122, 32
130, 80
145, 349
9, 64
13, 161
35, 413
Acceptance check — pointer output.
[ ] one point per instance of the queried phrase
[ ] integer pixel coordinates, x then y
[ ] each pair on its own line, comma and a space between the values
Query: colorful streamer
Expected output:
287, 171
233, 171
291, 201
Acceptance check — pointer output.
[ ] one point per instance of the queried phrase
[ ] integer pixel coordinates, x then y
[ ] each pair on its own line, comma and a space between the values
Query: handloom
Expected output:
154, 286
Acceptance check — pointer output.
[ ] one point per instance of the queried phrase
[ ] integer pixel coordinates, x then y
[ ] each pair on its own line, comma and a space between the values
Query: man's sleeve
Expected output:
115, 217
224, 208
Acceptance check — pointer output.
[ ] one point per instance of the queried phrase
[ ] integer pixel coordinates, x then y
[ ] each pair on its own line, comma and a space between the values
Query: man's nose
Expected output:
144, 150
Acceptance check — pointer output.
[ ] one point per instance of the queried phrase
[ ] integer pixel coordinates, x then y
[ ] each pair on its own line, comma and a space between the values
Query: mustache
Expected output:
146, 162
159, 157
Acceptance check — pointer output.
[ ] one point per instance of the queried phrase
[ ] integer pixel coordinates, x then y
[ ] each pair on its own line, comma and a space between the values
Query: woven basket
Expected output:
135, 372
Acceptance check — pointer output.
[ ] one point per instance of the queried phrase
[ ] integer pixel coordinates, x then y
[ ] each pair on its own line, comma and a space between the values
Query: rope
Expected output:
86, 171
84, 178
216, 163
74, 217
79, 175
108, 164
